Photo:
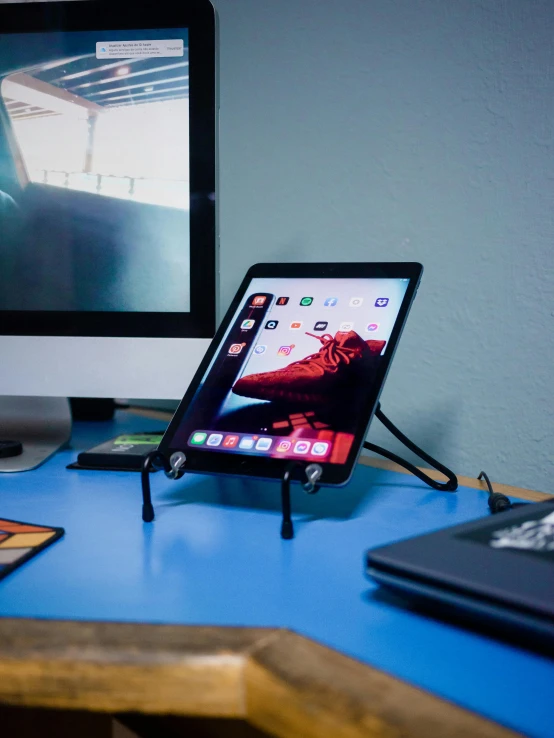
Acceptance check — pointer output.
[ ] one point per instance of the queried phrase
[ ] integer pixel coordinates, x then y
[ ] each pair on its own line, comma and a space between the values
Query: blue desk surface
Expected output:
213, 556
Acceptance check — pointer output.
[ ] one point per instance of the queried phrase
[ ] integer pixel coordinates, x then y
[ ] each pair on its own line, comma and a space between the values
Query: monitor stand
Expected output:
41, 424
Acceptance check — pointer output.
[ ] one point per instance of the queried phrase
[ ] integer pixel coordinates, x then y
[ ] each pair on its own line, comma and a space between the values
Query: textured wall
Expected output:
410, 130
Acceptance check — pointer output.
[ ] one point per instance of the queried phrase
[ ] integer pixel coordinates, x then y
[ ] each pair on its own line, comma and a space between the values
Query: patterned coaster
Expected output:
20, 541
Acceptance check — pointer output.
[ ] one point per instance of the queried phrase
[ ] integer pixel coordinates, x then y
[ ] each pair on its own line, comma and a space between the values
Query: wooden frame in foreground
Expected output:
275, 680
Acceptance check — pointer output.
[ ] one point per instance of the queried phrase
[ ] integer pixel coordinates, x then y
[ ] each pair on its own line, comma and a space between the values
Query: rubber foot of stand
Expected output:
287, 530
148, 513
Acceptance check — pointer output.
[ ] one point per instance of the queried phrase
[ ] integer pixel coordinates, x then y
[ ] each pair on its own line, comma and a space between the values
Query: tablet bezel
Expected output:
213, 462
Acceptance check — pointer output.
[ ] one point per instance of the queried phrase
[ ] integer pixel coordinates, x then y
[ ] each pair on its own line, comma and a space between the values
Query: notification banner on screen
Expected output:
136, 49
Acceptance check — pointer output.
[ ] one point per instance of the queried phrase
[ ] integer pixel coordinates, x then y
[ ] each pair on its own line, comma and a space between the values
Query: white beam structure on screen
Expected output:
151, 70
164, 81
24, 88
131, 95
94, 70
147, 101
59, 63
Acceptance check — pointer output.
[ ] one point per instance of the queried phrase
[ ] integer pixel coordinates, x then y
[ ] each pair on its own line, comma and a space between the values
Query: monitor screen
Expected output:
108, 232
95, 201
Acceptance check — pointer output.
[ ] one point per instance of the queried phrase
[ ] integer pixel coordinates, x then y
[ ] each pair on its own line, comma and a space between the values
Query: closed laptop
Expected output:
498, 570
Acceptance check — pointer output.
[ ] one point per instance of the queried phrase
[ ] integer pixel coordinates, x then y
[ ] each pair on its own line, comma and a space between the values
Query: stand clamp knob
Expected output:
313, 474
176, 462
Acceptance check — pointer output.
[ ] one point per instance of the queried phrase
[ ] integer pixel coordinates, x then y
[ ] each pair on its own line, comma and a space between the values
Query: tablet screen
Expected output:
293, 373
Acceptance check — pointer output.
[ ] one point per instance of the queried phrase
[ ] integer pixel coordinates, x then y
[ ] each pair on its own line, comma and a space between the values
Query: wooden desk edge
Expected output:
278, 681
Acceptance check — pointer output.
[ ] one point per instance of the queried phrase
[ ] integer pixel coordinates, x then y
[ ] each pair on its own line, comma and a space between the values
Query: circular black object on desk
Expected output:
10, 448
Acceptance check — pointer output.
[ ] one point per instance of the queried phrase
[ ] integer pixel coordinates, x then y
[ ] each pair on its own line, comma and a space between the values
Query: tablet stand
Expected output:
313, 473
154, 461
451, 485
174, 468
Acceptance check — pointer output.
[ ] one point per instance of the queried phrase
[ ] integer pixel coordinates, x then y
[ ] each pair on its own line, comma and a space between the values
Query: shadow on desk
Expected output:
251, 494
333, 503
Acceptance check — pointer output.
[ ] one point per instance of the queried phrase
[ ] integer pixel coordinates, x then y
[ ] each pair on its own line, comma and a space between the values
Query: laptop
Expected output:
495, 572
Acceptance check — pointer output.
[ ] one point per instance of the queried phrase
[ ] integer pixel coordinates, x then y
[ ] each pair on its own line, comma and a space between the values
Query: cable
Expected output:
497, 501
450, 486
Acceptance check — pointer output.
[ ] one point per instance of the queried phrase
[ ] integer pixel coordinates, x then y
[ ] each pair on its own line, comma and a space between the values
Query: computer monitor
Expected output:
107, 197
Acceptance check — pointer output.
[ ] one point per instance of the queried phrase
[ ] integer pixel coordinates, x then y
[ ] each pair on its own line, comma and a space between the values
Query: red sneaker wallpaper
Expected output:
292, 374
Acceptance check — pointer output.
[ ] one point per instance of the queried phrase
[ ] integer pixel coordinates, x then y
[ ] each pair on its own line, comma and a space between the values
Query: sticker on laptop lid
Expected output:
533, 534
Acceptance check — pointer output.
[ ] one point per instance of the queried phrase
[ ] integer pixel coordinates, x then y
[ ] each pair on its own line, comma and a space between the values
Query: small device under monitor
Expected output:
107, 206
125, 452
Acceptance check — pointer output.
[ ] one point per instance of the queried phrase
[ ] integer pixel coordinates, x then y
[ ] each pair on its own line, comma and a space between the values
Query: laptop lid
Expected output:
506, 560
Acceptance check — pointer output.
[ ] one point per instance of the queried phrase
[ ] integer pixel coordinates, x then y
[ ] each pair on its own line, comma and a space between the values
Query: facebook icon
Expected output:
381, 302
330, 302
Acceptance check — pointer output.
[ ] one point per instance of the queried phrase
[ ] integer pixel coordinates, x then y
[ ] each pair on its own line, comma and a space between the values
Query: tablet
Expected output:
295, 370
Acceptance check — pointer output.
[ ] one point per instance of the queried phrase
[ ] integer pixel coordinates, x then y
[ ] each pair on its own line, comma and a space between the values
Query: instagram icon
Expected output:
285, 350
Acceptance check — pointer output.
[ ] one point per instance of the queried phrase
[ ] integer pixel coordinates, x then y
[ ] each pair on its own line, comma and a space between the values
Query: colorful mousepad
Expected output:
20, 541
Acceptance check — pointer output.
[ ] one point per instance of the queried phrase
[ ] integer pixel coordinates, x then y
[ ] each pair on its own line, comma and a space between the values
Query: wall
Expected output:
410, 130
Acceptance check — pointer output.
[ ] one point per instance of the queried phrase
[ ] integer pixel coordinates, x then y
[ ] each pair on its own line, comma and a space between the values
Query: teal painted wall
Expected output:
410, 130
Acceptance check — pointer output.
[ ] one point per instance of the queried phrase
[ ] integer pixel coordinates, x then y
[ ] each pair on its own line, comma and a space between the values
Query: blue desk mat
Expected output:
213, 556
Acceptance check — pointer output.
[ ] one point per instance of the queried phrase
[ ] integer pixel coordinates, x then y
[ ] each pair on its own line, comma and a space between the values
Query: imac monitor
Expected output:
107, 197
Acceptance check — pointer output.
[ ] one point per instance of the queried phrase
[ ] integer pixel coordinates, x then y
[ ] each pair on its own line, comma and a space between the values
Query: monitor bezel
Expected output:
198, 16
212, 462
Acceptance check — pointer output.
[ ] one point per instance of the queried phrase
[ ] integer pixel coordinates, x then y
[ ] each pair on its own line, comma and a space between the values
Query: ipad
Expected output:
295, 370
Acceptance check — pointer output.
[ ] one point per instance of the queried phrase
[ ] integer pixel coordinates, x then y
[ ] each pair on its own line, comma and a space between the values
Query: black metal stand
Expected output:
313, 473
450, 486
287, 528
174, 469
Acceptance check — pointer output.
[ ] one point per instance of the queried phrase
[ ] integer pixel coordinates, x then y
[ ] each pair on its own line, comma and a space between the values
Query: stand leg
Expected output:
173, 468
312, 473
287, 528
154, 460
